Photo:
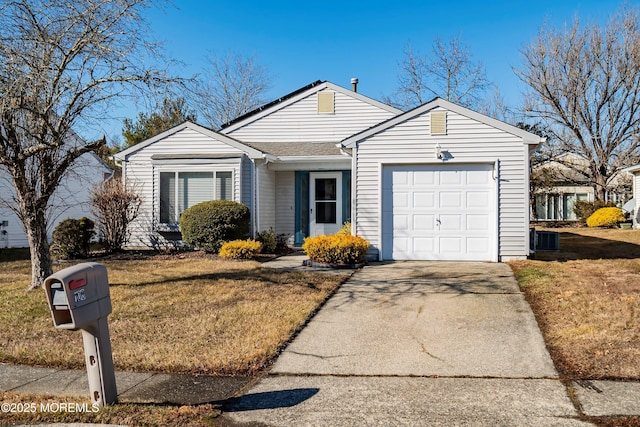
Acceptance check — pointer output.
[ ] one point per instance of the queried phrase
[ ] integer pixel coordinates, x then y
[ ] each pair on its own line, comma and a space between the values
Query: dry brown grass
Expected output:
586, 298
174, 315
133, 414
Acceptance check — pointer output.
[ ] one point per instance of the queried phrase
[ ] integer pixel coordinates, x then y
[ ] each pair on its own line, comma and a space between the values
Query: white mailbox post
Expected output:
79, 298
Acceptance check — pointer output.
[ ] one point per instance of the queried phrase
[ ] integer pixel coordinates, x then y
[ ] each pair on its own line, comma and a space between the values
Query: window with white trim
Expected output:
181, 190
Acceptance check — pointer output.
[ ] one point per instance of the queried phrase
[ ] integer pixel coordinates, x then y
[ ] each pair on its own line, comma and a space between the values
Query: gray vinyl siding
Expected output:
301, 122
285, 203
468, 141
266, 197
141, 172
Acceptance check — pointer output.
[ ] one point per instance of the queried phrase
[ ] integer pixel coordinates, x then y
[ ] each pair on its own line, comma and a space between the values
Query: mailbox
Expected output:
79, 298
78, 295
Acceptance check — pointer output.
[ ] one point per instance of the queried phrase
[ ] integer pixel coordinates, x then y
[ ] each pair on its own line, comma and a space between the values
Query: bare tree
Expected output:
585, 86
230, 87
61, 63
450, 72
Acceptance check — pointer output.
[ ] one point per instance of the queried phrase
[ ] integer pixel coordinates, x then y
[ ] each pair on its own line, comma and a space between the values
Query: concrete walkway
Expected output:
413, 343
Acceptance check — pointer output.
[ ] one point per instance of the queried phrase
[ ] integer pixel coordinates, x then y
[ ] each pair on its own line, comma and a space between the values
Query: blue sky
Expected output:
303, 41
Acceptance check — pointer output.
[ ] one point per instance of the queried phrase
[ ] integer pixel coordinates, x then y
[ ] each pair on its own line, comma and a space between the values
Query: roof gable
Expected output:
527, 137
249, 151
296, 96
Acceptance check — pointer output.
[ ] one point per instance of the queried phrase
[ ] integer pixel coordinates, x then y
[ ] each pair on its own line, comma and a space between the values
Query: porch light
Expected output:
438, 151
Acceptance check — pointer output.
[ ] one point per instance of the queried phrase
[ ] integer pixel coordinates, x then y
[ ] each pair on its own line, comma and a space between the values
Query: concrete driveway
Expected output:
416, 343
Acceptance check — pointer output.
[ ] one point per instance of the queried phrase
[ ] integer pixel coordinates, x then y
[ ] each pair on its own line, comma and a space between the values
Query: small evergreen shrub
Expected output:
584, 209
606, 217
71, 238
336, 249
208, 225
268, 239
240, 249
345, 230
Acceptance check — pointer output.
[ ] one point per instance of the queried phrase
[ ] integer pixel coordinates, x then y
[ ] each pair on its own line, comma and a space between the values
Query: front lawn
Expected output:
195, 314
586, 298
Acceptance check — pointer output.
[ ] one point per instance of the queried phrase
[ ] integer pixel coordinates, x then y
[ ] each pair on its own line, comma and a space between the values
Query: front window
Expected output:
181, 190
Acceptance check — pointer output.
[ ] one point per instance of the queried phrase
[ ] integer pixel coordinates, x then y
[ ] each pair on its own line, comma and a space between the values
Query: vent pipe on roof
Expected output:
354, 84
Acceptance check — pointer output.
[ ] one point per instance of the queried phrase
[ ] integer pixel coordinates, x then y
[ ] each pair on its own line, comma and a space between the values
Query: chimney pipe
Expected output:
354, 84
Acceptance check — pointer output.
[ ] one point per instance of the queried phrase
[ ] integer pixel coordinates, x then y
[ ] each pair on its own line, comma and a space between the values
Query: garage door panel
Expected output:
451, 222
424, 199
424, 222
439, 212
477, 222
478, 199
452, 177
450, 199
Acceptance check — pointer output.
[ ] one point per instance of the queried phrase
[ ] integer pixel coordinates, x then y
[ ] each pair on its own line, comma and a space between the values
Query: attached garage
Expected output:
439, 212
442, 182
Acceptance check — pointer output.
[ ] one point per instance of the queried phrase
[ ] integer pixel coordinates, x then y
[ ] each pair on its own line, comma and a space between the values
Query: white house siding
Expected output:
467, 141
266, 196
285, 203
70, 200
636, 196
140, 171
301, 122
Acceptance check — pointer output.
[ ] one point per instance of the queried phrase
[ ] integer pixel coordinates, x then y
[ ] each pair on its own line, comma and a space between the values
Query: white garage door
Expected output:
439, 212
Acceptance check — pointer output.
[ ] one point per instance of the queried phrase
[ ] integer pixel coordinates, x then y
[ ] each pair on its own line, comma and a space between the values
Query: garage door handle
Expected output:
438, 222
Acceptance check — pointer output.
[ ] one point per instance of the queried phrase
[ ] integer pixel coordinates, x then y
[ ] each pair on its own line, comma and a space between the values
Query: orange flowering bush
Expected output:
336, 249
605, 217
240, 249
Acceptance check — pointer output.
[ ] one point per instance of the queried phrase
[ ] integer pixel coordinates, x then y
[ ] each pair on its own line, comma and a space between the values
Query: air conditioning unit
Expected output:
547, 241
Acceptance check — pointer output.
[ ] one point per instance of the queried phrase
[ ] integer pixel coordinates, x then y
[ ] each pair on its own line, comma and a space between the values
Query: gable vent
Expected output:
439, 123
326, 102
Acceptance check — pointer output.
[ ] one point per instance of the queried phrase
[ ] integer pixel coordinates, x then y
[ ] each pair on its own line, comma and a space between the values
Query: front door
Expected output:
325, 202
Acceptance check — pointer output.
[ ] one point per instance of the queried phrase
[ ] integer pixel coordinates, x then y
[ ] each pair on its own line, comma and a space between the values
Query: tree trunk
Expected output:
41, 266
600, 187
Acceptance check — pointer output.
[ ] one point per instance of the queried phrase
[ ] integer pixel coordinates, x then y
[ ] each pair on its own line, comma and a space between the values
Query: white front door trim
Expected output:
317, 226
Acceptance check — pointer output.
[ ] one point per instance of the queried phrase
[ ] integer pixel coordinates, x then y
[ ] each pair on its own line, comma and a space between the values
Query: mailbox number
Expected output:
79, 295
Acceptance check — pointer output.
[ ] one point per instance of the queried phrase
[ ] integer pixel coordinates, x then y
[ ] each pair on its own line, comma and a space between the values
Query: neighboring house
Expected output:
70, 200
437, 182
632, 205
559, 184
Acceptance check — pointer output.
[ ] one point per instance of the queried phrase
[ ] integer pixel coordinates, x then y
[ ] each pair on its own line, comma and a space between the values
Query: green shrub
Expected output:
71, 238
606, 217
240, 249
268, 239
345, 230
584, 209
208, 225
336, 249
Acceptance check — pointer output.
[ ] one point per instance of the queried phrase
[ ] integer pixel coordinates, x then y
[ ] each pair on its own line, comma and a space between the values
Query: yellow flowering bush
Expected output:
336, 249
605, 217
240, 249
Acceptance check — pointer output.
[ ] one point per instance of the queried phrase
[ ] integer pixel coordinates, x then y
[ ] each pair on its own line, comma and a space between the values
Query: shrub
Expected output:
208, 225
268, 239
606, 217
71, 238
240, 249
584, 209
345, 230
336, 249
115, 206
